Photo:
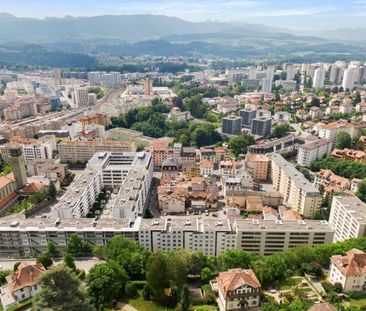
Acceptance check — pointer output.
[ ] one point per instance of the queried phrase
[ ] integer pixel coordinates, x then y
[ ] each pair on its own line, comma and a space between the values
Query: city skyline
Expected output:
297, 15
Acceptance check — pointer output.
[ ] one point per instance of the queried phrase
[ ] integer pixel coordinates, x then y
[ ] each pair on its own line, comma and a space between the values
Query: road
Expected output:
81, 263
108, 99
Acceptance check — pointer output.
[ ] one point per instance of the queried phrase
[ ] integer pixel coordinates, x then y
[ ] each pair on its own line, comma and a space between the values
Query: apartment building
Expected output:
330, 131
72, 151
95, 118
333, 184
266, 237
347, 218
298, 193
258, 166
349, 154
210, 236
285, 144
81, 97
47, 168
312, 151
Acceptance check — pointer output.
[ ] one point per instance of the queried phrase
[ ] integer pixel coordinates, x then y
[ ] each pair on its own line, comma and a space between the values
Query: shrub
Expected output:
131, 290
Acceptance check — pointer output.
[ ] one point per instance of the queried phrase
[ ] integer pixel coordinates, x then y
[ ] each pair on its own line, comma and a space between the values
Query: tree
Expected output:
131, 290
357, 98
343, 140
179, 268
51, 249
16, 265
206, 275
235, 259
280, 130
51, 191
105, 282
361, 190
69, 261
157, 278
129, 254
77, 246
60, 290
45, 260
239, 144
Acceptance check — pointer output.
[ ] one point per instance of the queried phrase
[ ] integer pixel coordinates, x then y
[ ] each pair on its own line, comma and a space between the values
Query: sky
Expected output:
294, 14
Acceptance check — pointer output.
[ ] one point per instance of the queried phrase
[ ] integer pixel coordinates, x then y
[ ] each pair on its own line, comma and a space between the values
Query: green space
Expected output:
358, 301
146, 305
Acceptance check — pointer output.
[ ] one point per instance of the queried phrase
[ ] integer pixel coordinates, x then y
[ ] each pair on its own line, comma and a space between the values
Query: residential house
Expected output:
238, 289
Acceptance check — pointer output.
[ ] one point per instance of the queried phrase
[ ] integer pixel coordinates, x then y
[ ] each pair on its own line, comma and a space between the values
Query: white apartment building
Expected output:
81, 97
72, 151
347, 218
349, 79
266, 237
298, 193
319, 78
330, 131
266, 86
31, 151
314, 150
211, 236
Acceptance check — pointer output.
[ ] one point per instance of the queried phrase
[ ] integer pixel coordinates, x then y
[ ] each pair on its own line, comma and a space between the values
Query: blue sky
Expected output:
295, 14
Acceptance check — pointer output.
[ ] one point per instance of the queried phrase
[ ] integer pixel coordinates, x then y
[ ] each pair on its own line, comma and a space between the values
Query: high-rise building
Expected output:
17, 162
261, 126
266, 85
247, 117
148, 86
319, 78
349, 79
57, 76
231, 125
81, 97
252, 73
336, 74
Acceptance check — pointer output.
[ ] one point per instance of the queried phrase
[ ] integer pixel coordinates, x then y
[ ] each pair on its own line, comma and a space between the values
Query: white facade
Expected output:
319, 78
349, 79
312, 151
347, 218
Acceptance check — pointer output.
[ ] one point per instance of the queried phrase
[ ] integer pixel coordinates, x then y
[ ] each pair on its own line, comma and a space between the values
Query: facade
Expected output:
298, 193
177, 115
266, 85
285, 144
319, 78
349, 270
231, 125
247, 116
347, 218
349, 154
261, 126
349, 79
238, 289
266, 237
258, 166
72, 151
22, 284
332, 183
312, 151
17, 162
81, 97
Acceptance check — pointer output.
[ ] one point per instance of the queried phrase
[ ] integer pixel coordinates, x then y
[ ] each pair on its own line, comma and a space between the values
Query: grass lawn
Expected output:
205, 308
358, 302
289, 283
146, 305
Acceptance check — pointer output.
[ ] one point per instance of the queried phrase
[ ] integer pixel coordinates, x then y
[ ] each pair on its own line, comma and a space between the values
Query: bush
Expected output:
146, 293
80, 274
16, 265
131, 290
3, 275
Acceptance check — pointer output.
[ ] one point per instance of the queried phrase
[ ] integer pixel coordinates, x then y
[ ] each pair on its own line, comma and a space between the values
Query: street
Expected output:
81, 263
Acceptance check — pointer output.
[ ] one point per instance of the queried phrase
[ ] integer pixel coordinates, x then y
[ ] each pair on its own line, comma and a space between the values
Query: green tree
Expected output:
179, 268
343, 140
357, 98
69, 261
60, 290
361, 190
206, 275
51, 249
128, 254
45, 260
235, 259
105, 282
280, 130
51, 191
157, 277
239, 144
77, 246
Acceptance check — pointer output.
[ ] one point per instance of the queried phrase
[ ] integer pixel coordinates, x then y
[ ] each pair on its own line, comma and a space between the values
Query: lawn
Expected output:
146, 305
359, 301
289, 283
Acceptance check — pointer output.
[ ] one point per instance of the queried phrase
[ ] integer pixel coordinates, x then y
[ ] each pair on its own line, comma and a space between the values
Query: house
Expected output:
349, 270
206, 168
22, 284
238, 289
322, 307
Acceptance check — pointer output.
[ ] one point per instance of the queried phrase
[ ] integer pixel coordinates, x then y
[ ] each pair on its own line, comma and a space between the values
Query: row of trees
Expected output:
127, 261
